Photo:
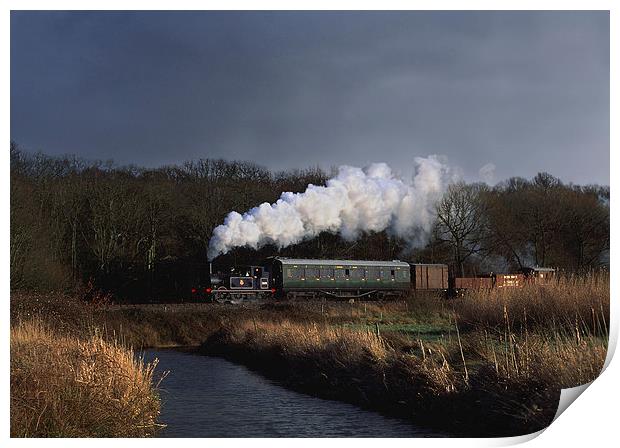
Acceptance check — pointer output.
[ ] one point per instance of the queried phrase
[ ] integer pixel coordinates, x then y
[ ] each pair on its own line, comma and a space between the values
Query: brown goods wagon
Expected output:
473, 282
429, 276
509, 280
538, 274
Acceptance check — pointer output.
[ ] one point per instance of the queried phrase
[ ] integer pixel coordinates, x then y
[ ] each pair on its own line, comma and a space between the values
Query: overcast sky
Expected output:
519, 91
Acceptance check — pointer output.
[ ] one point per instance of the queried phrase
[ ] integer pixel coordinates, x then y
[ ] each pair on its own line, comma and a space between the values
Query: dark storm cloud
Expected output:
523, 91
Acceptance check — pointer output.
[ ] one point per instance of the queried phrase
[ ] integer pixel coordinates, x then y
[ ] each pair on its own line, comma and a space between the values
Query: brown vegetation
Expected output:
491, 363
572, 304
65, 386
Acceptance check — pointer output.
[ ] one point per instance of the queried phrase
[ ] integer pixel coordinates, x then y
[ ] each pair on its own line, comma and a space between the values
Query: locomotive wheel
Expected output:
223, 295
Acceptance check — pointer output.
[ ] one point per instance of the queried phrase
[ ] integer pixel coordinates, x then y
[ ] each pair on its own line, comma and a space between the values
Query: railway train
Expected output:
294, 278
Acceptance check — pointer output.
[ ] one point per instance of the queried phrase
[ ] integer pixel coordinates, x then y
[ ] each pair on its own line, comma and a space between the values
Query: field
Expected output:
488, 364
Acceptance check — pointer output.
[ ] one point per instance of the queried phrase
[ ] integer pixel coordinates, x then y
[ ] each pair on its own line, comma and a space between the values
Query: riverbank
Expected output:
489, 364
429, 385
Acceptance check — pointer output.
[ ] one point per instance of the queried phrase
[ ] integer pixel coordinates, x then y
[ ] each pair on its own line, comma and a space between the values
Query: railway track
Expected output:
166, 306
250, 303
174, 306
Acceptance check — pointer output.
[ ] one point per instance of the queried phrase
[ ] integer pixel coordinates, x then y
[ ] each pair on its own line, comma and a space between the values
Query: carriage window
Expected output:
347, 272
373, 274
312, 273
357, 274
294, 273
392, 272
339, 274
327, 273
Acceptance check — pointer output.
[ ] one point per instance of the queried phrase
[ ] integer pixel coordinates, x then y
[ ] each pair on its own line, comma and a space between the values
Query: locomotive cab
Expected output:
249, 278
241, 282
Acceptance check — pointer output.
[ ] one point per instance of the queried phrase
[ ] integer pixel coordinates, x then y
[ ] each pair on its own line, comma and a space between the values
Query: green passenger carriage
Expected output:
293, 277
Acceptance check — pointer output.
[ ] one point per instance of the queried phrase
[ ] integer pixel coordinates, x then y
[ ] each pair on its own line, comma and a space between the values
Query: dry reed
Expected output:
566, 303
64, 386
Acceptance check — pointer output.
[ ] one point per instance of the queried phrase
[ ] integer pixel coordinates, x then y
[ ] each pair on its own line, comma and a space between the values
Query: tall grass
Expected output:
64, 386
567, 303
309, 340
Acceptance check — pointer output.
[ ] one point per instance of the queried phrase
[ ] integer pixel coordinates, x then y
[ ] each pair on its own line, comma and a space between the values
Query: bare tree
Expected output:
461, 221
114, 207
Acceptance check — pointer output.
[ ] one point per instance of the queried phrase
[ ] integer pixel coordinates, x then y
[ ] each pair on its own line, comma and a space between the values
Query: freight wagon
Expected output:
491, 281
429, 277
509, 280
538, 274
463, 283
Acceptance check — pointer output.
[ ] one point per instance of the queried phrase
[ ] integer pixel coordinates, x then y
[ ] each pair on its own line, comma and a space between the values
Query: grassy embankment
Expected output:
492, 363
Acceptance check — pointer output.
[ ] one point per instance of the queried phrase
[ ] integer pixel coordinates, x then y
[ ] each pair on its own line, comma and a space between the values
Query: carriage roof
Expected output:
365, 263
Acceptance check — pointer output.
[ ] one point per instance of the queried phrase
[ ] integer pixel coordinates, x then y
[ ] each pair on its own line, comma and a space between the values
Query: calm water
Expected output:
205, 396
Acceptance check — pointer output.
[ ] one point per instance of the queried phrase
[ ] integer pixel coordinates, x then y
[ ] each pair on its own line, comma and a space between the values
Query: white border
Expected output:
590, 422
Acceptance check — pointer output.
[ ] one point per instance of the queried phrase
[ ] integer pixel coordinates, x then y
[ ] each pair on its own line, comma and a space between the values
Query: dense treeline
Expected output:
140, 232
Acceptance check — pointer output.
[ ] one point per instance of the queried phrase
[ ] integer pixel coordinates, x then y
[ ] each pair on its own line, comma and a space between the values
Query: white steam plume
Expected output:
355, 201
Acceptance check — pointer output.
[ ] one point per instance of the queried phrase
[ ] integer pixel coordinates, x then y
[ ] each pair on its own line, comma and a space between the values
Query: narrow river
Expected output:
206, 396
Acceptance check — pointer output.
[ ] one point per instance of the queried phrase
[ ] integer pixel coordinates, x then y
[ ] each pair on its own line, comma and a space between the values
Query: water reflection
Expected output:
206, 396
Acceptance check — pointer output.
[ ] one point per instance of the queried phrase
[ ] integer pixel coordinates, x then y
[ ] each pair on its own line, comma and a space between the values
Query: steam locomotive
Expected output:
293, 278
